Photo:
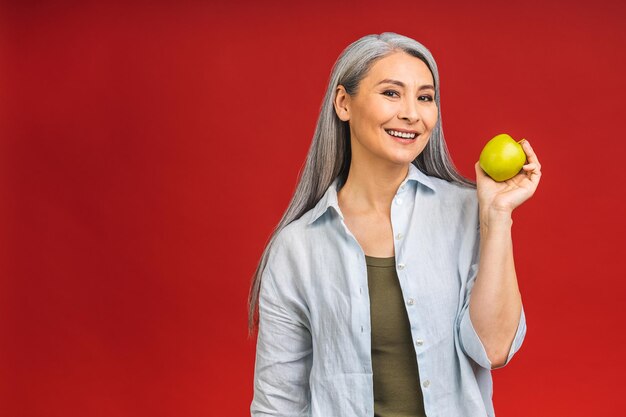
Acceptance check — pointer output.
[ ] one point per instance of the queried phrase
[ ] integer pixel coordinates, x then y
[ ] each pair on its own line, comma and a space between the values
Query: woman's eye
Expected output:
426, 98
390, 93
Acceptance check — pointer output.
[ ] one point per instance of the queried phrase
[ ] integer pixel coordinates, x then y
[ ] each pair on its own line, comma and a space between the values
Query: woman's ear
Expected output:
341, 103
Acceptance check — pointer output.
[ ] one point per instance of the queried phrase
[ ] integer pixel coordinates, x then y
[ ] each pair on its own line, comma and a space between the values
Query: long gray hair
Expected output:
329, 155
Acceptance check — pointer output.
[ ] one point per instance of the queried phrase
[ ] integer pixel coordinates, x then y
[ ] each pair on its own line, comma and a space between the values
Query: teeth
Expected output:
401, 135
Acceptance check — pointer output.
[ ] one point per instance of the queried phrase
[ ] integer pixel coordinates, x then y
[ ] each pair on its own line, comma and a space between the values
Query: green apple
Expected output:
502, 158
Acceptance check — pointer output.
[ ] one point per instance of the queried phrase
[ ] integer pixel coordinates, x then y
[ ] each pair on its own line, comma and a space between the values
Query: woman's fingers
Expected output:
531, 156
479, 171
533, 167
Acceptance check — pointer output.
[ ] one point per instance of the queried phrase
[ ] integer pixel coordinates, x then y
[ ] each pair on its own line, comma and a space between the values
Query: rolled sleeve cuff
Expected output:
475, 349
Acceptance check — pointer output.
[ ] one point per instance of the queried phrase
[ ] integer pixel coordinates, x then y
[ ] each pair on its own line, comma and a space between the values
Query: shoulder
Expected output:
290, 264
454, 193
293, 235
291, 244
456, 203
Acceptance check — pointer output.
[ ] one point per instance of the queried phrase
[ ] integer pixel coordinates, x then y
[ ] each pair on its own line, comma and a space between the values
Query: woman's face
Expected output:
396, 97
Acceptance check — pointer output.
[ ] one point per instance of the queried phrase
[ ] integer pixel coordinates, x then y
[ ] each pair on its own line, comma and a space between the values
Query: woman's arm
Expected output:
495, 302
283, 357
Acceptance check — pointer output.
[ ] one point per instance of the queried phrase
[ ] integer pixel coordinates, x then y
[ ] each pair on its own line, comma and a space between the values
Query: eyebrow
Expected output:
401, 84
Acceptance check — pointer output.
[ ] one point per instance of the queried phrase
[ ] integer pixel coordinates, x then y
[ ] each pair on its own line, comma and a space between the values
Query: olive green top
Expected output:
397, 391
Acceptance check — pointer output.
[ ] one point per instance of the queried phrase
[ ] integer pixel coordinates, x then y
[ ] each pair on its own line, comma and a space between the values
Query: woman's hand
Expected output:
495, 302
503, 197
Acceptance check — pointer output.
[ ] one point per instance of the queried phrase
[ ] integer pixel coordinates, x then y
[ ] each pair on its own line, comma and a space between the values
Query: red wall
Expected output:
147, 151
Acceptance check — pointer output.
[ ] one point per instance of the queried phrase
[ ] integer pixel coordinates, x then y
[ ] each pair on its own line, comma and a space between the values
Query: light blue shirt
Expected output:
313, 354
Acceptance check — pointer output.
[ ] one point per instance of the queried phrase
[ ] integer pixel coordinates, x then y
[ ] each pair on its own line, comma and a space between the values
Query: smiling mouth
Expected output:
401, 135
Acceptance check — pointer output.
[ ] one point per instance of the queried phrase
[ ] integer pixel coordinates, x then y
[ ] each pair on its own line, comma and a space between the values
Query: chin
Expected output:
404, 160
407, 157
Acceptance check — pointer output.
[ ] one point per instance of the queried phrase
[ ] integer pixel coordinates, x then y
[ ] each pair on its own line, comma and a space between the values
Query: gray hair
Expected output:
329, 155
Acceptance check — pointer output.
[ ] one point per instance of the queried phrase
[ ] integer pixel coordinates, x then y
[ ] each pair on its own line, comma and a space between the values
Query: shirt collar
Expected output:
329, 199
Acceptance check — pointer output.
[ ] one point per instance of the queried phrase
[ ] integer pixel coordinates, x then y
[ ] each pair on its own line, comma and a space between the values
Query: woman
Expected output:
388, 287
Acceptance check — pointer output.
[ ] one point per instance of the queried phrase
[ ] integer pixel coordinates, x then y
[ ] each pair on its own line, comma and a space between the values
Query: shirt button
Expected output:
398, 201
410, 301
419, 342
400, 266
399, 236
426, 383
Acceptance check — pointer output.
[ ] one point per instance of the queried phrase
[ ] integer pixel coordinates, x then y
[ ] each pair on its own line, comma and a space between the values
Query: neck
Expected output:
371, 185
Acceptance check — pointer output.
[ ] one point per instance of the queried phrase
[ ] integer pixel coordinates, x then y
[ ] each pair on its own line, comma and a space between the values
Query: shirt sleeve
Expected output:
470, 342
283, 355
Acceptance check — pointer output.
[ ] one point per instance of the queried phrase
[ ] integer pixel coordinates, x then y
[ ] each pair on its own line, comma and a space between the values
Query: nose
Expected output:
409, 110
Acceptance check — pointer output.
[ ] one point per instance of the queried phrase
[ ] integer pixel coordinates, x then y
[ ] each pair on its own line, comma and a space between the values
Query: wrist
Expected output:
493, 218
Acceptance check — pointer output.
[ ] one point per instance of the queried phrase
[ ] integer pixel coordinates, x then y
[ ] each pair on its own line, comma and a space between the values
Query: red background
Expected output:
148, 150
